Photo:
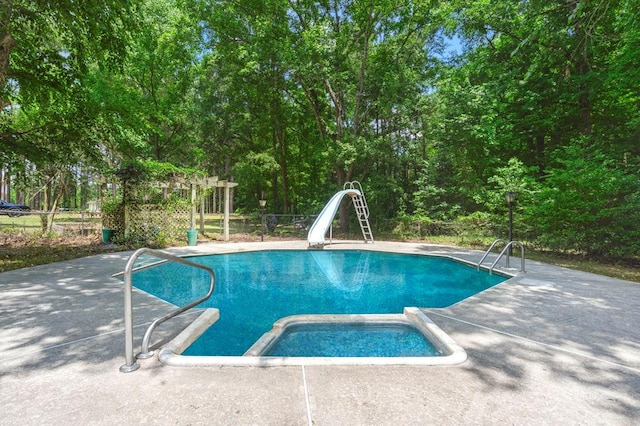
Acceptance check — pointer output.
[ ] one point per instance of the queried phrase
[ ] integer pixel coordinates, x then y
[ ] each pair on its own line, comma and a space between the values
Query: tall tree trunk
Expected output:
584, 24
84, 189
358, 114
282, 143
2, 175
51, 199
584, 101
7, 43
7, 185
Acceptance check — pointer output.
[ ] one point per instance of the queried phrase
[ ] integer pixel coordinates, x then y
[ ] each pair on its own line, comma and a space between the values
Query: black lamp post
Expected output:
511, 199
262, 203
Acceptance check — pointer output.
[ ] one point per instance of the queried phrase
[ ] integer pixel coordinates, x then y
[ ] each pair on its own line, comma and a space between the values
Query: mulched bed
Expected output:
19, 250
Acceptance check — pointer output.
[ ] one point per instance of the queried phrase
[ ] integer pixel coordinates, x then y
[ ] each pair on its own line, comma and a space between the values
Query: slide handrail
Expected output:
321, 225
363, 204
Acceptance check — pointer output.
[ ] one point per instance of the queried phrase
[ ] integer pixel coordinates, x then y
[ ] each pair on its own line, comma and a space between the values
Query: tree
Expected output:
587, 205
345, 72
46, 51
160, 72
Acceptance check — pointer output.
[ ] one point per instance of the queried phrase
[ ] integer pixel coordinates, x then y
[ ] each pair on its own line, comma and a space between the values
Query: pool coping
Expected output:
197, 251
171, 353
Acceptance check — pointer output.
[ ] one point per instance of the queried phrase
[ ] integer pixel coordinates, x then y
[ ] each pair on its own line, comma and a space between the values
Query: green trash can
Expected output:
107, 235
192, 237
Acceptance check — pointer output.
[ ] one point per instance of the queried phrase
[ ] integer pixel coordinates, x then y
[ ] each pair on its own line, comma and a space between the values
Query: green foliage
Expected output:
43, 71
255, 172
473, 229
110, 205
589, 204
138, 181
514, 177
433, 201
295, 98
162, 171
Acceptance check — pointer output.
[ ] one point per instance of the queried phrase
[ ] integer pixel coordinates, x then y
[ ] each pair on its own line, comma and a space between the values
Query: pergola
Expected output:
193, 185
204, 184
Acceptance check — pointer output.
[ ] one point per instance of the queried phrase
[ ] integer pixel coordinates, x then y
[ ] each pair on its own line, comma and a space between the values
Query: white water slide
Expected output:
320, 227
318, 230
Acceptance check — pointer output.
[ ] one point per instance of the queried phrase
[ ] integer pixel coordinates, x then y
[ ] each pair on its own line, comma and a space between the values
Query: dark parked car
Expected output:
13, 209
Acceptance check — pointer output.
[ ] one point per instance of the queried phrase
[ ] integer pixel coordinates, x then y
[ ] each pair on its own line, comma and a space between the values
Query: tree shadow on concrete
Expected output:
72, 312
572, 327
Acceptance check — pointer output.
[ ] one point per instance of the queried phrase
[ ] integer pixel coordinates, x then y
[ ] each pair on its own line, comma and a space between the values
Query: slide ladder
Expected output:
362, 210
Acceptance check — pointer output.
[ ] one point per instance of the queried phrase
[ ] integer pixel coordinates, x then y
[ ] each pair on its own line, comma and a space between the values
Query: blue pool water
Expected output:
255, 289
352, 340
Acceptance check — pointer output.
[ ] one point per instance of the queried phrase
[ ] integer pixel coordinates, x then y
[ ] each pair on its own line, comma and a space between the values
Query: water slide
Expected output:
320, 227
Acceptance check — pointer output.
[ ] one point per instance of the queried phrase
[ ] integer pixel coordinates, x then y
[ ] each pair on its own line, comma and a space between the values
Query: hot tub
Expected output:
391, 339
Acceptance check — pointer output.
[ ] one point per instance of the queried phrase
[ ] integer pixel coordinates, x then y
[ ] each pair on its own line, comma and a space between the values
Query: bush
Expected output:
589, 204
474, 226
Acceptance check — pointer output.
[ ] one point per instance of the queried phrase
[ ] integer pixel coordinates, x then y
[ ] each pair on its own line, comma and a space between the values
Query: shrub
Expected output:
589, 204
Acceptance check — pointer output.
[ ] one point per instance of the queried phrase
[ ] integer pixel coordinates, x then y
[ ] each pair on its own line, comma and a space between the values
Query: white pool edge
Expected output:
170, 354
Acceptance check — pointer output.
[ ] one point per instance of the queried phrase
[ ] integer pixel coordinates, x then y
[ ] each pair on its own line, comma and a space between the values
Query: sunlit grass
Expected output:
28, 224
32, 223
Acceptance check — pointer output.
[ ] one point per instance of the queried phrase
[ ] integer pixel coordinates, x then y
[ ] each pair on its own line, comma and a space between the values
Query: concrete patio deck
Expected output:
550, 346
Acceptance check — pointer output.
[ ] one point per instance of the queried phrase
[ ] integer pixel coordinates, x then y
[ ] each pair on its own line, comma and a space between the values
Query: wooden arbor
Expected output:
146, 221
204, 184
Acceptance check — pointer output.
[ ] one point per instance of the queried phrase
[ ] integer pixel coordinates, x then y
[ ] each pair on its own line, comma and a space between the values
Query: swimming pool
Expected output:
255, 289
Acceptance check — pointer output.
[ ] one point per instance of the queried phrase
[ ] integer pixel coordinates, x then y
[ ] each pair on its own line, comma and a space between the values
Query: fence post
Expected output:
126, 221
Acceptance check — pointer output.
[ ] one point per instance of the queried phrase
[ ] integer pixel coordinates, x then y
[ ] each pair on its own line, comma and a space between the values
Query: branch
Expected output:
337, 104
7, 43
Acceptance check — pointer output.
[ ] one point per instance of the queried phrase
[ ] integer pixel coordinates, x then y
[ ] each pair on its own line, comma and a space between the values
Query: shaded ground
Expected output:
552, 346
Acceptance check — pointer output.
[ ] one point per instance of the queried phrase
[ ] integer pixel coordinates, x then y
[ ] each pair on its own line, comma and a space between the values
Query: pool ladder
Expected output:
130, 360
505, 250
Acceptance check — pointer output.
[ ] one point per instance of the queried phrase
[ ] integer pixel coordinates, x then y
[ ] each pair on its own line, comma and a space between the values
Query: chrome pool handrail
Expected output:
488, 251
130, 364
506, 250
